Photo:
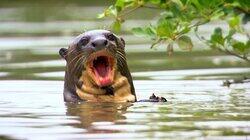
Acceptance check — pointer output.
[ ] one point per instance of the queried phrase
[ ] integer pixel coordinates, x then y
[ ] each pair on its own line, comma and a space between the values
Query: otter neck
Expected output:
92, 93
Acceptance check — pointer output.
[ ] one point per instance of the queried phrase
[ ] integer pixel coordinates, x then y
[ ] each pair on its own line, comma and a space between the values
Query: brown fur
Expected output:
80, 83
93, 93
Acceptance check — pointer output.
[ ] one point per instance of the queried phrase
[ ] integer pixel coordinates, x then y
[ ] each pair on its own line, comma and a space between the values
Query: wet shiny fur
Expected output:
80, 83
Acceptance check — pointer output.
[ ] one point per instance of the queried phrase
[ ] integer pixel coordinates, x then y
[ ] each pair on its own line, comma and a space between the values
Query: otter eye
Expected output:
83, 41
111, 37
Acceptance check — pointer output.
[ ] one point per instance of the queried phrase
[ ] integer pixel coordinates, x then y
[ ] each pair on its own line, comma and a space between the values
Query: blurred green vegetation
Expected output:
33, 31
180, 17
53, 3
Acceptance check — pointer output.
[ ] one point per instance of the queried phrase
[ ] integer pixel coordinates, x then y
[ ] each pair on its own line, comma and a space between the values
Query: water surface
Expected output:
195, 109
31, 82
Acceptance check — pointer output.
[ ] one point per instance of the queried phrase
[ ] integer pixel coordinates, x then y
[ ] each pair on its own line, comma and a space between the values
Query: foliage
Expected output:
180, 17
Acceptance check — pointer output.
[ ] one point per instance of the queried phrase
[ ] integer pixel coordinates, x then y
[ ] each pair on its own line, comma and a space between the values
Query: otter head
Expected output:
97, 53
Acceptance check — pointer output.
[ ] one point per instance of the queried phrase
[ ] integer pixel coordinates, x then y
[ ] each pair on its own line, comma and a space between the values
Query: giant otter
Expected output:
97, 71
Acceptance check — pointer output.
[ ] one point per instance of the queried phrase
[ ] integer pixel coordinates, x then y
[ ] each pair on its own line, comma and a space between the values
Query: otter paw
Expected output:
154, 98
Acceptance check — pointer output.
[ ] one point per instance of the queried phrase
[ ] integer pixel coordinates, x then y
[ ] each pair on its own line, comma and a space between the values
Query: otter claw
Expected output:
154, 98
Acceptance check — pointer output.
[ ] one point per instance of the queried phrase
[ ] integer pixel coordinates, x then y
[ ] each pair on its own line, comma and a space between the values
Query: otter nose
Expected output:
100, 43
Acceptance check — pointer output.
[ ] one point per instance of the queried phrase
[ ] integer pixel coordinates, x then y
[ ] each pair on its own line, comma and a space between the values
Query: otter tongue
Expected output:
102, 72
101, 69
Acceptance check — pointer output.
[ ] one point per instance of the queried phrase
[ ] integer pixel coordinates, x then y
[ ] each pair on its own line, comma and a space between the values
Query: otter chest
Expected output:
92, 93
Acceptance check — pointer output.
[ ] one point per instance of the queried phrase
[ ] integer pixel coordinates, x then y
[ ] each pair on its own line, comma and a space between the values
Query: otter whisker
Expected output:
70, 52
121, 55
75, 64
121, 51
120, 63
76, 57
79, 64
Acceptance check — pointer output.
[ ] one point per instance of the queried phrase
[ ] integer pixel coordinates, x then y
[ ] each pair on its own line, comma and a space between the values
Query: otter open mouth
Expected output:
102, 68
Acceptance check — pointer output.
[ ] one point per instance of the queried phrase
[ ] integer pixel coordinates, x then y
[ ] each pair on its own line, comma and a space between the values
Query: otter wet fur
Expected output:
97, 70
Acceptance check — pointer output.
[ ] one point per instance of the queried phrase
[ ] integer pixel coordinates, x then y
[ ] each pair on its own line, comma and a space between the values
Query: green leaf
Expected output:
102, 15
185, 30
247, 50
211, 4
116, 26
110, 11
178, 2
248, 44
155, 1
166, 28
243, 48
185, 43
138, 31
244, 4
120, 4
230, 34
216, 37
234, 21
196, 4
217, 15
239, 46
145, 32
167, 14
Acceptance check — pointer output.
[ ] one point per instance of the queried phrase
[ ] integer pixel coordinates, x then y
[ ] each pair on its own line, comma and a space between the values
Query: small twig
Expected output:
199, 23
243, 10
191, 26
236, 81
201, 38
131, 10
156, 42
234, 54
151, 7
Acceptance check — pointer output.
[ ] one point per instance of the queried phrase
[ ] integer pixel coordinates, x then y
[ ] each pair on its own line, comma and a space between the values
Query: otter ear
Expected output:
63, 52
123, 42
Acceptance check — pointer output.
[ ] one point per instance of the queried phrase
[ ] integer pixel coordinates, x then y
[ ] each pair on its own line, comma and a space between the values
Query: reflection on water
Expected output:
97, 113
195, 108
31, 82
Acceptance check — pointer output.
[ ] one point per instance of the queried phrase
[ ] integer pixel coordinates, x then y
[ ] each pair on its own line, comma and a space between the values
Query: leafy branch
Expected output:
178, 18
226, 44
